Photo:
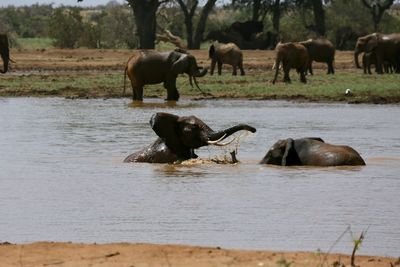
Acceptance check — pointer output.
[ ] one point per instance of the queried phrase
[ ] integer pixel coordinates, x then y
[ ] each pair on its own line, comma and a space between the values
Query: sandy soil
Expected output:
93, 59
137, 255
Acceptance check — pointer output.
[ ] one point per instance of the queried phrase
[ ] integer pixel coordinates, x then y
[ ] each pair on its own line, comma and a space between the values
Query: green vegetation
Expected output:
256, 85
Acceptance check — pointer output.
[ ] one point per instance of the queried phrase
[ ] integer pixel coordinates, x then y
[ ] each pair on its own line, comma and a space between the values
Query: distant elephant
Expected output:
369, 58
312, 152
320, 50
229, 53
179, 136
292, 55
4, 52
386, 47
247, 28
151, 67
346, 37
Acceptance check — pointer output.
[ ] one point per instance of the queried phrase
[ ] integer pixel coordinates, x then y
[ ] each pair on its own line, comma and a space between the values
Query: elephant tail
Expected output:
126, 69
276, 65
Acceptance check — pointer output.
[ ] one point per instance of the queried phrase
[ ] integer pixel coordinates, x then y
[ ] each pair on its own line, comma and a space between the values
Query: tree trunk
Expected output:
201, 26
188, 14
145, 18
319, 17
276, 16
377, 9
256, 10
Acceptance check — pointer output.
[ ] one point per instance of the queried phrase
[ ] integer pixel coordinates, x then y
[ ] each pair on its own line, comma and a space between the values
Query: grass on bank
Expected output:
255, 85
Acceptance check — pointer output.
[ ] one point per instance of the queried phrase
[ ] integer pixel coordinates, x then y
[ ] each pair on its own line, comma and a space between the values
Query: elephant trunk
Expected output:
216, 137
356, 53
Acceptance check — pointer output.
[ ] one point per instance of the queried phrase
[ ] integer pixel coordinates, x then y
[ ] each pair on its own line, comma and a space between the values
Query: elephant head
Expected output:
365, 44
179, 136
186, 63
4, 52
311, 151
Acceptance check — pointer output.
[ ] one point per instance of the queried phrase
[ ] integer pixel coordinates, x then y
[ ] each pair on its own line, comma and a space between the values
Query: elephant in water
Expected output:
179, 136
311, 151
151, 67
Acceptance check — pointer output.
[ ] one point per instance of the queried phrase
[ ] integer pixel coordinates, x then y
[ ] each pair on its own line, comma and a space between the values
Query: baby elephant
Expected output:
312, 152
226, 54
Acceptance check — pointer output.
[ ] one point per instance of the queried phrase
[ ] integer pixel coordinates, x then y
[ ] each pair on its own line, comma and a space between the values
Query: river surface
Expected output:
62, 177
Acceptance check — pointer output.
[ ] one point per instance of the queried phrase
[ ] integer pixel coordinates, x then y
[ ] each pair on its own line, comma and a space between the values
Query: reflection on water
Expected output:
62, 177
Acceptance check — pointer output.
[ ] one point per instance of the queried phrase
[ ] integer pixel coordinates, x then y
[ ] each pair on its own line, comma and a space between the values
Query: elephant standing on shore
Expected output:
179, 136
320, 50
369, 58
4, 52
312, 152
151, 67
229, 53
292, 56
385, 46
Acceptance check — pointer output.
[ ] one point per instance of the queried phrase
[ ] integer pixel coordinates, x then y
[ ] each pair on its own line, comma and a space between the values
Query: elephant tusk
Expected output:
215, 142
225, 144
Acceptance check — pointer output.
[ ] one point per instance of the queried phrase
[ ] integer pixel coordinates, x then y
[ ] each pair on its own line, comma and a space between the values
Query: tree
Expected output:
66, 27
377, 9
319, 15
189, 10
145, 18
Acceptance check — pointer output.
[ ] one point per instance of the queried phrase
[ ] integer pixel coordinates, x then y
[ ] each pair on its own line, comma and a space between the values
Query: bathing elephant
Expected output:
179, 136
386, 47
4, 52
292, 55
311, 151
151, 67
229, 53
320, 50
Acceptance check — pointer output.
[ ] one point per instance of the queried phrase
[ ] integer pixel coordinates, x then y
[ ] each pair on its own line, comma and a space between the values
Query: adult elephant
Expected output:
179, 136
320, 50
4, 52
311, 151
247, 28
369, 58
385, 46
151, 67
292, 55
229, 53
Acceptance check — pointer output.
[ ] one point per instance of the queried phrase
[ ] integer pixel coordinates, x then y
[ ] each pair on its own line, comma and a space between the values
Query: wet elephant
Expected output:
4, 52
320, 50
179, 136
229, 53
311, 151
292, 55
151, 67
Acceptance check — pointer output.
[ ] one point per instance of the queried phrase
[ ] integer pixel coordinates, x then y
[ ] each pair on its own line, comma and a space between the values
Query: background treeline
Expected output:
113, 25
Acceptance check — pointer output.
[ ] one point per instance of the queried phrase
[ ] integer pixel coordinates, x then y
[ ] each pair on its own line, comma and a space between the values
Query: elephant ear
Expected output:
290, 156
165, 125
181, 65
371, 44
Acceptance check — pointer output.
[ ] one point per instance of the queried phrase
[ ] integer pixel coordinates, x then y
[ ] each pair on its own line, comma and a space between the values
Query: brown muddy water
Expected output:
62, 177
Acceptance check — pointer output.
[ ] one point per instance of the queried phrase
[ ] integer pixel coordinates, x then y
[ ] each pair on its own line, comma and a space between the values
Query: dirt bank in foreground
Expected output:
124, 254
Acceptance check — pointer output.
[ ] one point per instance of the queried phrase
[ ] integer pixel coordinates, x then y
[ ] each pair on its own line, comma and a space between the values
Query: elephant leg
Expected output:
234, 71
219, 67
172, 92
330, 68
241, 69
137, 91
213, 62
310, 68
286, 77
303, 76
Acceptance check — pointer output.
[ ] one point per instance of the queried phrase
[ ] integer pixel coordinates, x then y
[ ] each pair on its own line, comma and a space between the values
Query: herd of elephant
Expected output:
179, 136
150, 67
